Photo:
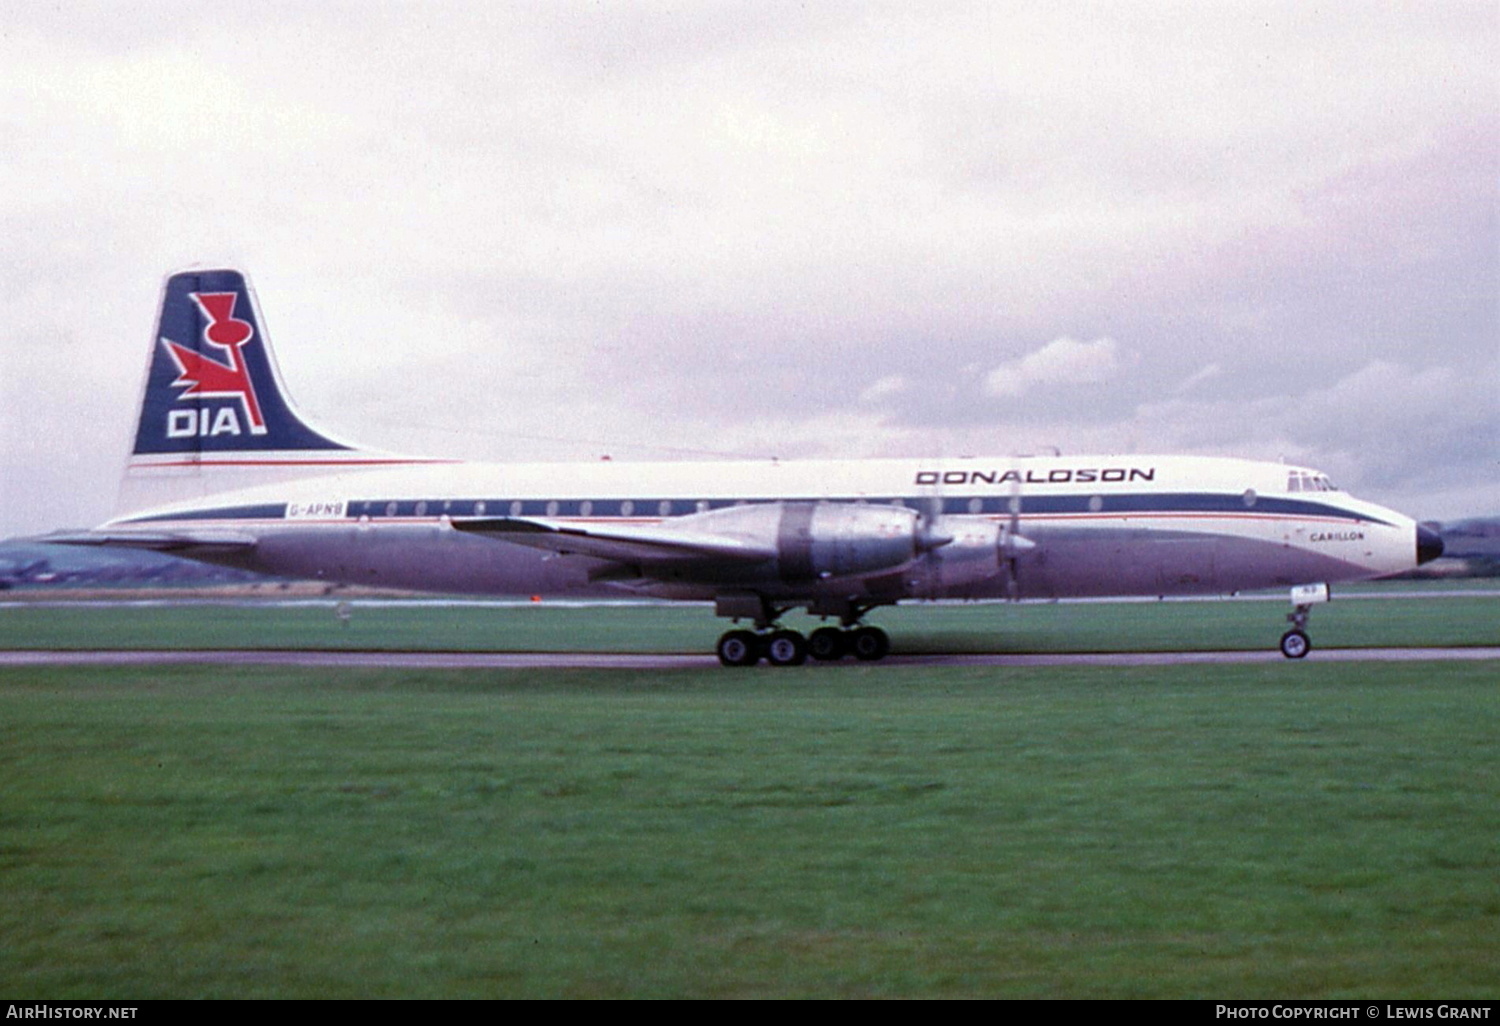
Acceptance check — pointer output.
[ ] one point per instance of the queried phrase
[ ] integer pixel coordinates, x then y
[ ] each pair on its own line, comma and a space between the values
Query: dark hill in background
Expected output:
27, 562
1474, 542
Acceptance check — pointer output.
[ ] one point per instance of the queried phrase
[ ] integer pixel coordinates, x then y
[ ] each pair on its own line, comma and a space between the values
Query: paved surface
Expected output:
626, 661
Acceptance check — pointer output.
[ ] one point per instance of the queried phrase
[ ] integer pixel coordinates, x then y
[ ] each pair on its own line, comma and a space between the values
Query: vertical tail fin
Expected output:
212, 393
214, 415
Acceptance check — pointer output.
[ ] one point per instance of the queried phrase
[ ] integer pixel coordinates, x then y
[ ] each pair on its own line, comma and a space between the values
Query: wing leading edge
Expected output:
627, 543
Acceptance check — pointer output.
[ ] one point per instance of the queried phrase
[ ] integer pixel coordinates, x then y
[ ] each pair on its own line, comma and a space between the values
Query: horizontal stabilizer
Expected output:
631, 543
157, 541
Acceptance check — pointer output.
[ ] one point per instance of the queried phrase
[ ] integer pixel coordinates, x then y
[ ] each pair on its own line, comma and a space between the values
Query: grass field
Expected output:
1292, 830
1289, 830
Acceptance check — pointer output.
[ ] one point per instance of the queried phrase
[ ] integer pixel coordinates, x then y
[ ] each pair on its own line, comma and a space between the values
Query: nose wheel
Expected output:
1295, 643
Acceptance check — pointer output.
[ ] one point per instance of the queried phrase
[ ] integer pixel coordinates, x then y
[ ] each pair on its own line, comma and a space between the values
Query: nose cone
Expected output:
1429, 545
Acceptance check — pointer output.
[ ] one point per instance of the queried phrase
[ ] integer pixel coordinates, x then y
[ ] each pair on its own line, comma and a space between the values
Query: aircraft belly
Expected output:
1095, 561
1126, 560
426, 557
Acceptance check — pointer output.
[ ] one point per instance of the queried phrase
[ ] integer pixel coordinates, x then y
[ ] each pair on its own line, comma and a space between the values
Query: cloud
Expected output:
1063, 361
1206, 373
885, 388
1385, 429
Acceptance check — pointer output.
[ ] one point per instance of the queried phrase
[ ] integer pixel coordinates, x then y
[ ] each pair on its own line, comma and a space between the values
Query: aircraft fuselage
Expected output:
1153, 525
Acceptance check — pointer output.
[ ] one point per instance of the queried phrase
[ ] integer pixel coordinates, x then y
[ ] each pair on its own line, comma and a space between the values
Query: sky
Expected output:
559, 230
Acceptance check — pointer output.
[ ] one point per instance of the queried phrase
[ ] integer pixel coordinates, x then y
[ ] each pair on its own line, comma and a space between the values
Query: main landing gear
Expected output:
781, 647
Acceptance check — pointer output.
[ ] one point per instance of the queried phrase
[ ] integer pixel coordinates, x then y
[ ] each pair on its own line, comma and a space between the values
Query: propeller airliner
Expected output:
225, 470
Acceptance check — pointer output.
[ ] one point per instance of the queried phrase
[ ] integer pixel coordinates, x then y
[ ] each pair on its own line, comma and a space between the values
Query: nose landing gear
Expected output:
1295, 643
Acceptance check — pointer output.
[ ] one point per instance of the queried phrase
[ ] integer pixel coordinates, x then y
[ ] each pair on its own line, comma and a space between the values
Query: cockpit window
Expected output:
1302, 481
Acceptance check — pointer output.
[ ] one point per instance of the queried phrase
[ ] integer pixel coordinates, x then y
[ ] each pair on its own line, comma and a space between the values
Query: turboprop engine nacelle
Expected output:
821, 540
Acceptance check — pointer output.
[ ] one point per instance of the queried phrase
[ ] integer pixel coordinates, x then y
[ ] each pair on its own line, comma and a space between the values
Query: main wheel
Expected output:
786, 648
869, 643
827, 644
739, 648
1295, 644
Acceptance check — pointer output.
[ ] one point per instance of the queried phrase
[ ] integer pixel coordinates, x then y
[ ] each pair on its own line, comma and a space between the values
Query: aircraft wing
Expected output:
156, 541
627, 543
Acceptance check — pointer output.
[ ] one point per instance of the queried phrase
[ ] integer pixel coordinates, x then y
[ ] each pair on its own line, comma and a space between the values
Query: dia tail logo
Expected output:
201, 375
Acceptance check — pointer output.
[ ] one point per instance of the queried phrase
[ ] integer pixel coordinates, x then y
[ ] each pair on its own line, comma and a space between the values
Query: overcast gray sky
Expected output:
555, 230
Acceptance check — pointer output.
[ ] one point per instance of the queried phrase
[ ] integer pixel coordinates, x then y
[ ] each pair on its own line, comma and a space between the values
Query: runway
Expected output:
647, 661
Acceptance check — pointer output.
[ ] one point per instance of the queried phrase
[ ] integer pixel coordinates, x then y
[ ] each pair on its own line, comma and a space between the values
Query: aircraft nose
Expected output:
1429, 545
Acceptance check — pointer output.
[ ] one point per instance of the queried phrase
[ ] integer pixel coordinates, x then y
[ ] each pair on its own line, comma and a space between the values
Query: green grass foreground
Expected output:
1290, 830
995, 627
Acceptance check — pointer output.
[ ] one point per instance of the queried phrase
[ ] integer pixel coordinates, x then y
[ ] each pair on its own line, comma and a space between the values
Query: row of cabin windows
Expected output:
535, 507
679, 507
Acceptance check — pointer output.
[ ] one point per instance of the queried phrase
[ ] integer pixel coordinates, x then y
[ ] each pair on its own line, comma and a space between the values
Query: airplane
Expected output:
225, 470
